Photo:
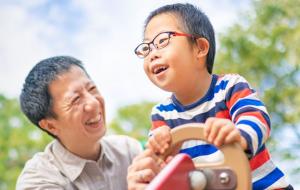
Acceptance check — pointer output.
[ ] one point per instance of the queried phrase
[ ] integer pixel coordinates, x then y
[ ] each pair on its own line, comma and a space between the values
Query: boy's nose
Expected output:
153, 52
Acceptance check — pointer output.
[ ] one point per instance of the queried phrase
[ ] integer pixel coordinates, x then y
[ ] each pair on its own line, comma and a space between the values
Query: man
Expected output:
60, 98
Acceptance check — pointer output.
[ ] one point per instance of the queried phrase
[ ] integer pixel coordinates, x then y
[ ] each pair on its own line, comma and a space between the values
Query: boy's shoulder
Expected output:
230, 76
164, 102
231, 79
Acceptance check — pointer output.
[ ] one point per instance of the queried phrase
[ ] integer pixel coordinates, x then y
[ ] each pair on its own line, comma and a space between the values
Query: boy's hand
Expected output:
219, 131
160, 139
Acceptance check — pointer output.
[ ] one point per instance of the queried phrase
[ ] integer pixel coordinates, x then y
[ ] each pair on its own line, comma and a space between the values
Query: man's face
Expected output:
79, 108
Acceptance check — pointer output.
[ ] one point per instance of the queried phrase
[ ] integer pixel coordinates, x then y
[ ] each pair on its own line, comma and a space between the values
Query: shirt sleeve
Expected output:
248, 113
156, 120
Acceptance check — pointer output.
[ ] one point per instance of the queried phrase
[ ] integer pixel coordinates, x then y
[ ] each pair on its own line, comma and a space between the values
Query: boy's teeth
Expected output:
159, 69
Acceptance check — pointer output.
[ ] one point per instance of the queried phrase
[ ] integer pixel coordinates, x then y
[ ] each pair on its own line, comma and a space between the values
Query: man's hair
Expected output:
35, 99
194, 22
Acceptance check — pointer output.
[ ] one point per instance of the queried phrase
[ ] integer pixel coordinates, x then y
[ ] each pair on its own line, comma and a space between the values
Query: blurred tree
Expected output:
19, 140
264, 47
133, 120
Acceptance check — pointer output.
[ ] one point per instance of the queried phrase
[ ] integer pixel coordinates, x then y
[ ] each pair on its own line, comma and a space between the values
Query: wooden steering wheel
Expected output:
234, 157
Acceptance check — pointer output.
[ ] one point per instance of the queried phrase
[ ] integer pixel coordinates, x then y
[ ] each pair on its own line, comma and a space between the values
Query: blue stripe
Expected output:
221, 86
245, 102
268, 180
250, 150
236, 88
200, 118
251, 109
255, 127
169, 107
199, 150
157, 117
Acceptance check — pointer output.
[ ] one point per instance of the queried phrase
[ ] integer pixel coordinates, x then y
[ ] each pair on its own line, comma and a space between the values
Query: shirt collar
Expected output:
72, 165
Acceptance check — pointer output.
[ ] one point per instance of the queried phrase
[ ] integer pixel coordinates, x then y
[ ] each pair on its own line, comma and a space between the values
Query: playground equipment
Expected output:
233, 173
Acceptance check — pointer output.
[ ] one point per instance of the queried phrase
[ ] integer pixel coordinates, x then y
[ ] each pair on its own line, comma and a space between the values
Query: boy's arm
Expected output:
159, 135
249, 114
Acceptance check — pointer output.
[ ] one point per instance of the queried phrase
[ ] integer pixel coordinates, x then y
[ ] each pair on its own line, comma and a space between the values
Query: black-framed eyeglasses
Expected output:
160, 41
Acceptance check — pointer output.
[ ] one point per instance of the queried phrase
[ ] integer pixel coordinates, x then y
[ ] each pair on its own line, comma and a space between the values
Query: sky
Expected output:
102, 34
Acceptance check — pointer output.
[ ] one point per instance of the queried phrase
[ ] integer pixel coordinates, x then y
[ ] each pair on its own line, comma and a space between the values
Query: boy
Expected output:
178, 52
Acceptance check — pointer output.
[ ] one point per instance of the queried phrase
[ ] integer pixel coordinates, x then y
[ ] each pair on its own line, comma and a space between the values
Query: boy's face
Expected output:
173, 67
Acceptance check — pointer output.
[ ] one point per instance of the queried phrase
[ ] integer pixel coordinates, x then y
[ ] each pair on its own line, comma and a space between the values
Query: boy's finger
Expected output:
213, 132
222, 134
154, 145
233, 136
208, 124
161, 143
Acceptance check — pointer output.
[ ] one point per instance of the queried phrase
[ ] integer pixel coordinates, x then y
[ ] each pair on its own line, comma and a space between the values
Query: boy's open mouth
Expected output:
159, 68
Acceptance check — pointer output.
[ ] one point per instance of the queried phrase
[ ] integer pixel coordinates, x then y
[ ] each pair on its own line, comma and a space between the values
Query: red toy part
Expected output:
175, 175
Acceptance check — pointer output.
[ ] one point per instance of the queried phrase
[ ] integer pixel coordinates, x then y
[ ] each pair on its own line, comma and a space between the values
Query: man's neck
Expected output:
85, 151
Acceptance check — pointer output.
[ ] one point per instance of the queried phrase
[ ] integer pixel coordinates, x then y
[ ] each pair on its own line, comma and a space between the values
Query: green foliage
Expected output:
133, 120
19, 140
264, 47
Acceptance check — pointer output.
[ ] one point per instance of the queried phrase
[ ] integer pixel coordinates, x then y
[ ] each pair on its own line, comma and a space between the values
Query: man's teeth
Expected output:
94, 120
159, 69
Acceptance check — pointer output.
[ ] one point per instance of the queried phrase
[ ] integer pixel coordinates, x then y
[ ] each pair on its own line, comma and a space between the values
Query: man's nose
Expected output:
91, 103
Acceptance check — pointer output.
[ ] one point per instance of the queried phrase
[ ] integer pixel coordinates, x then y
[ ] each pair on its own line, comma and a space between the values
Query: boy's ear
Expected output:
203, 46
48, 124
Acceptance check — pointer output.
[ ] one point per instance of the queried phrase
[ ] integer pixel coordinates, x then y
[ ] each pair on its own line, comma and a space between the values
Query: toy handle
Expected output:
234, 156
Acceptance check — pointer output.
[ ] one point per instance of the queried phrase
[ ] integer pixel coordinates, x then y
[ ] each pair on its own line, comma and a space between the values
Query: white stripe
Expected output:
232, 80
202, 108
280, 183
261, 125
250, 131
192, 143
189, 114
252, 96
263, 170
261, 108
211, 158
216, 157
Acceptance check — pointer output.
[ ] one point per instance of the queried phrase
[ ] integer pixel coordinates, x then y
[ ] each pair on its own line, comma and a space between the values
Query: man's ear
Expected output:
203, 47
48, 124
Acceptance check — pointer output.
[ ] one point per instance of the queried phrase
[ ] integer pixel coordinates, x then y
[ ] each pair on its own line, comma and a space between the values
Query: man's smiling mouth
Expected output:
94, 120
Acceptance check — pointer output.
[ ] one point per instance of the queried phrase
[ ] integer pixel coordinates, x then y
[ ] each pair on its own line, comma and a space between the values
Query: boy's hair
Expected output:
35, 99
195, 22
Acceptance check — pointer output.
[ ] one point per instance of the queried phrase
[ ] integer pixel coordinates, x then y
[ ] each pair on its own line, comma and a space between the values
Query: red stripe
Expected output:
258, 115
237, 95
259, 159
156, 124
223, 114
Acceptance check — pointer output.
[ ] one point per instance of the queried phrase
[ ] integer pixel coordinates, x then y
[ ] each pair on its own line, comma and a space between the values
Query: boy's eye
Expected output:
145, 48
162, 40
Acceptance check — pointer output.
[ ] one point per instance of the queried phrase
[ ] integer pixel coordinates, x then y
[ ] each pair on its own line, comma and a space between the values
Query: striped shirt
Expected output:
229, 96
